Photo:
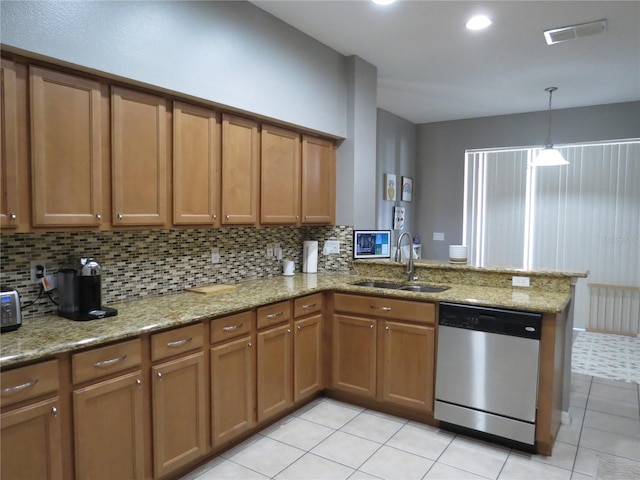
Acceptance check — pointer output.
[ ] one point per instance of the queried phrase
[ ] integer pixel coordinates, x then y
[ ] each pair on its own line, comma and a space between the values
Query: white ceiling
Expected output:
430, 68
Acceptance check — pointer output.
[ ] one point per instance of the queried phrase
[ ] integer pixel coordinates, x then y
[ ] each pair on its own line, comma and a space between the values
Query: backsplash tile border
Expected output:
142, 263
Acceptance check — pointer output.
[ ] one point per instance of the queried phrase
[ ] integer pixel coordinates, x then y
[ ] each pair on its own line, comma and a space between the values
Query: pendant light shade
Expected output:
549, 156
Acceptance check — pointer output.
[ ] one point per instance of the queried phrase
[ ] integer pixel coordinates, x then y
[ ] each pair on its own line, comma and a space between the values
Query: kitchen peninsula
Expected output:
280, 324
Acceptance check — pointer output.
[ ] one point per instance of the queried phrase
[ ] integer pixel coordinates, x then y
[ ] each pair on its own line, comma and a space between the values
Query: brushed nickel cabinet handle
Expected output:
250, 345
179, 343
120, 216
54, 410
299, 328
310, 305
232, 328
159, 374
275, 315
138, 382
384, 309
371, 326
288, 330
98, 217
386, 328
13, 216
19, 388
227, 217
214, 216
108, 363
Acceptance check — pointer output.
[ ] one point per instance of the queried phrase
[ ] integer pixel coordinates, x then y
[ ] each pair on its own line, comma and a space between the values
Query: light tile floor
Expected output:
328, 439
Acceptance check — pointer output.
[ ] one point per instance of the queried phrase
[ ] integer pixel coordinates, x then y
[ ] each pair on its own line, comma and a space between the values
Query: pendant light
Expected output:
549, 156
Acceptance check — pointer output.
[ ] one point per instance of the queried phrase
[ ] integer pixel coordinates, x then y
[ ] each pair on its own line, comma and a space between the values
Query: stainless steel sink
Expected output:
400, 286
423, 288
379, 285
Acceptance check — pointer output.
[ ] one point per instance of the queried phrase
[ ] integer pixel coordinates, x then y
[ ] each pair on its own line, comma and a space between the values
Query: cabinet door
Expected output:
139, 137
66, 149
275, 372
240, 170
31, 442
232, 389
307, 348
408, 365
318, 181
280, 179
354, 355
8, 145
108, 423
196, 165
179, 413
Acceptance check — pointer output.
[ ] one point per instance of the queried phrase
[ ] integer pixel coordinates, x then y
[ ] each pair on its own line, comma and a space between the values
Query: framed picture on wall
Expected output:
389, 187
398, 218
407, 189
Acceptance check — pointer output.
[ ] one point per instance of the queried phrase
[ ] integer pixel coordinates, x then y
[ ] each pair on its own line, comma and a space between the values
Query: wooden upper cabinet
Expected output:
139, 150
240, 170
280, 179
8, 145
196, 165
318, 181
66, 149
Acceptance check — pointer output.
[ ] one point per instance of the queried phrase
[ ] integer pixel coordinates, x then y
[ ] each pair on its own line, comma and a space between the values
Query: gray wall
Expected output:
441, 151
231, 53
396, 153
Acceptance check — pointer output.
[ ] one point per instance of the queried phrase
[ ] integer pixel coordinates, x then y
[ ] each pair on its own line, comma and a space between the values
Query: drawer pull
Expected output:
232, 328
54, 410
275, 315
179, 343
108, 363
159, 375
310, 305
384, 309
299, 328
250, 345
19, 388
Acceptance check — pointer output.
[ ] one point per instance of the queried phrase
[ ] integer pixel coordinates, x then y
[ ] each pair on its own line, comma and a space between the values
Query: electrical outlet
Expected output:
269, 250
331, 246
215, 255
520, 281
38, 270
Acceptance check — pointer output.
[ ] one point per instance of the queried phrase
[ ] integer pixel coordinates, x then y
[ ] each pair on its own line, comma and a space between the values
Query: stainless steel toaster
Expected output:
10, 313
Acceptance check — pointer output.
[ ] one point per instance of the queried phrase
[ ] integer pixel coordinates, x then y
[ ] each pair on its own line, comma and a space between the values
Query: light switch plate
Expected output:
438, 236
215, 255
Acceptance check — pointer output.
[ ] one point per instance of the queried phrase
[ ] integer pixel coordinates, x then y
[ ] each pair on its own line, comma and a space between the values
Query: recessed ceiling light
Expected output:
479, 22
383, 2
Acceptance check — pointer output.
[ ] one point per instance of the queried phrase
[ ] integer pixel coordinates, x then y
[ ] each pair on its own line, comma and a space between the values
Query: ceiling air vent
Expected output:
563, 34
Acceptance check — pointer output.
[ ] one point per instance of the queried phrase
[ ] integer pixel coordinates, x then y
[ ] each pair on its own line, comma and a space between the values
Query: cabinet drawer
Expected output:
233, 326
176, 341
385, 308
105, 360
304, 306
28, 382
274, 314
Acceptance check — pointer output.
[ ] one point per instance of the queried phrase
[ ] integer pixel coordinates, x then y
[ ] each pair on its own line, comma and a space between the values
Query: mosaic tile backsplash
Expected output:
141, 263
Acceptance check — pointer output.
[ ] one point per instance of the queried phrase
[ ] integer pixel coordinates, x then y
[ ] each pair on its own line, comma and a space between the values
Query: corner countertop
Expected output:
49, 335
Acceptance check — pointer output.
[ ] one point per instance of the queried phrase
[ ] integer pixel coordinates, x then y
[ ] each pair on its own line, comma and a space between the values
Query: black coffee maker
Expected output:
80, 291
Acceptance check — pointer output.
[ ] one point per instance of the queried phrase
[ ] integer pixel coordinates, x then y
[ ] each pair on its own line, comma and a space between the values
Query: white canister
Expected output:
287, 267
310, 256
458, 253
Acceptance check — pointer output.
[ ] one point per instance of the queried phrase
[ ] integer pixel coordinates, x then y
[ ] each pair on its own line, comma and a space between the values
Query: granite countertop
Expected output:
44, 336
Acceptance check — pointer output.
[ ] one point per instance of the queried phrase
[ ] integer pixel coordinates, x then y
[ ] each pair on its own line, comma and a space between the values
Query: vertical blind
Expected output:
581, 216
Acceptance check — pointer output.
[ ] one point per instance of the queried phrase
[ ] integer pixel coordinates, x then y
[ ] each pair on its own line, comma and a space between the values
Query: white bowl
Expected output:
458, 253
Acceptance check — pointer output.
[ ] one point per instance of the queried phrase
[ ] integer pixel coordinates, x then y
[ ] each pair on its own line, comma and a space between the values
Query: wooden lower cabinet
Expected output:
232, 389
307, 349
108, 422
354, 355
408, 367
274, 371
31, 442
179, 413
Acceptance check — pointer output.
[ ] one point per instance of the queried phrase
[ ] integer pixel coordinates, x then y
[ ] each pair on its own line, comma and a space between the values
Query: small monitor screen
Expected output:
371, 243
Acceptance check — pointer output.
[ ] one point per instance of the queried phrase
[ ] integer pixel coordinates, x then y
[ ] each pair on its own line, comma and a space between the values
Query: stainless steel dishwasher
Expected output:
487, 372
